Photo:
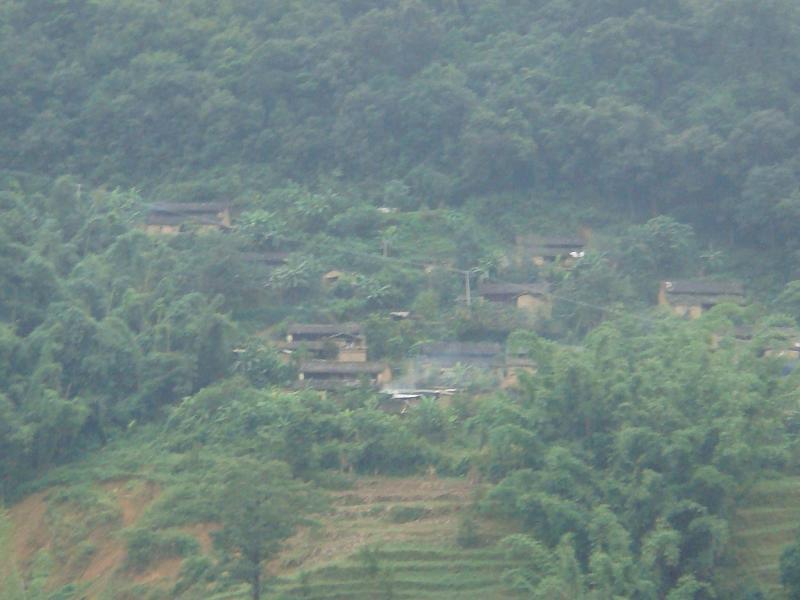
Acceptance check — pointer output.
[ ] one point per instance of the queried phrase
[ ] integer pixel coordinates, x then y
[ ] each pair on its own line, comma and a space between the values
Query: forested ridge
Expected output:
675, 107
389, 153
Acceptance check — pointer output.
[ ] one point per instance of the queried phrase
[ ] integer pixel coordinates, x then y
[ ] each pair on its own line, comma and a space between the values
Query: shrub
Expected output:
334, 480
146, 547
194, 570
468, 535
405, 514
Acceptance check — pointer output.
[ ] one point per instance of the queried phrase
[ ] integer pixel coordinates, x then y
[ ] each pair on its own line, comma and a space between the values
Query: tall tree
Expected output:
261, 505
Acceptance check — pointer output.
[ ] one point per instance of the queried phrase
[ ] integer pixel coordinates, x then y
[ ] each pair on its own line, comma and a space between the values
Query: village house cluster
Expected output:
692, 297
172, 218
543, 250
335, 355
332, 355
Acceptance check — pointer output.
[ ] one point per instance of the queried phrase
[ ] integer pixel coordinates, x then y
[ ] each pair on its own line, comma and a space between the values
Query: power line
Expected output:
616, 311
420, 264
466, 273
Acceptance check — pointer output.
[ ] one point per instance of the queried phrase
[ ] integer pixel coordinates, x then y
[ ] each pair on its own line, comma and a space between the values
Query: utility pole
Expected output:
467, 289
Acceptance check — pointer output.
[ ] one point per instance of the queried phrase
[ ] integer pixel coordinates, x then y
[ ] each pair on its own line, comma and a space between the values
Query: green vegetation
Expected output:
262, 506
764, 526
153, 442
11, 586
146, 547
506, 107
790, 570
404, 514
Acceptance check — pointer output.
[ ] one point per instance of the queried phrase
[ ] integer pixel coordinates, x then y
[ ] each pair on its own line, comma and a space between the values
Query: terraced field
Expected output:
434, 573
768, 522
384, 538
408, 528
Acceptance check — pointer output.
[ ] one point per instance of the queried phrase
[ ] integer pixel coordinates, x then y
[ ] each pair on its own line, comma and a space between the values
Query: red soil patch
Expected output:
133, 498
202, 532
166, 570
109, 556
29, 527
30, 534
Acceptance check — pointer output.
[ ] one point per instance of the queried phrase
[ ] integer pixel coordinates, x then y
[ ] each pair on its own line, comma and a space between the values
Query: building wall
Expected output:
682, 310
352, 354
385, 376
332, 277
679, 309
162, 229
511, 376
327, 376
693, 311
174, 229
662, 295
531, 303
788, 354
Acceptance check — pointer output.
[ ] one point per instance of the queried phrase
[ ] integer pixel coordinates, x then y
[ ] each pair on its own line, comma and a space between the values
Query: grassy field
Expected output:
762, 527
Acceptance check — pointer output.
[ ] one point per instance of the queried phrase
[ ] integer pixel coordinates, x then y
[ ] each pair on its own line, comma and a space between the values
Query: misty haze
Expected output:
409, 300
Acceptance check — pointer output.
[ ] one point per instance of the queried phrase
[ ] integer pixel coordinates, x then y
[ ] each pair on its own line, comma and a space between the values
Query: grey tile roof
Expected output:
479, 349
705, 287
323, 329
513, 289
326, 367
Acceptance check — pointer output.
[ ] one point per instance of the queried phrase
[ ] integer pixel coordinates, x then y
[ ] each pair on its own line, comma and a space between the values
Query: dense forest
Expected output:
640, 108
406, 147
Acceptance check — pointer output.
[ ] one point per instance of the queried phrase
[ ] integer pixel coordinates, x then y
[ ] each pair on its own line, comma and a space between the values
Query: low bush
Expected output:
146, 546
468, 535
405, 514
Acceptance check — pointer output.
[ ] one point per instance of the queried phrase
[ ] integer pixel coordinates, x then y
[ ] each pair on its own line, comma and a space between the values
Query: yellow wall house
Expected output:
514, 367
532, 297
541, 250
782, 342
692, 297
170, 218
332, 277
348, 338
328, 373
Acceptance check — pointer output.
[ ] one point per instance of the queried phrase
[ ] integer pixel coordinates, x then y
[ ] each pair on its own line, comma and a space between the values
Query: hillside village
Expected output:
419, 300
407, 386
332, 359
336, 356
